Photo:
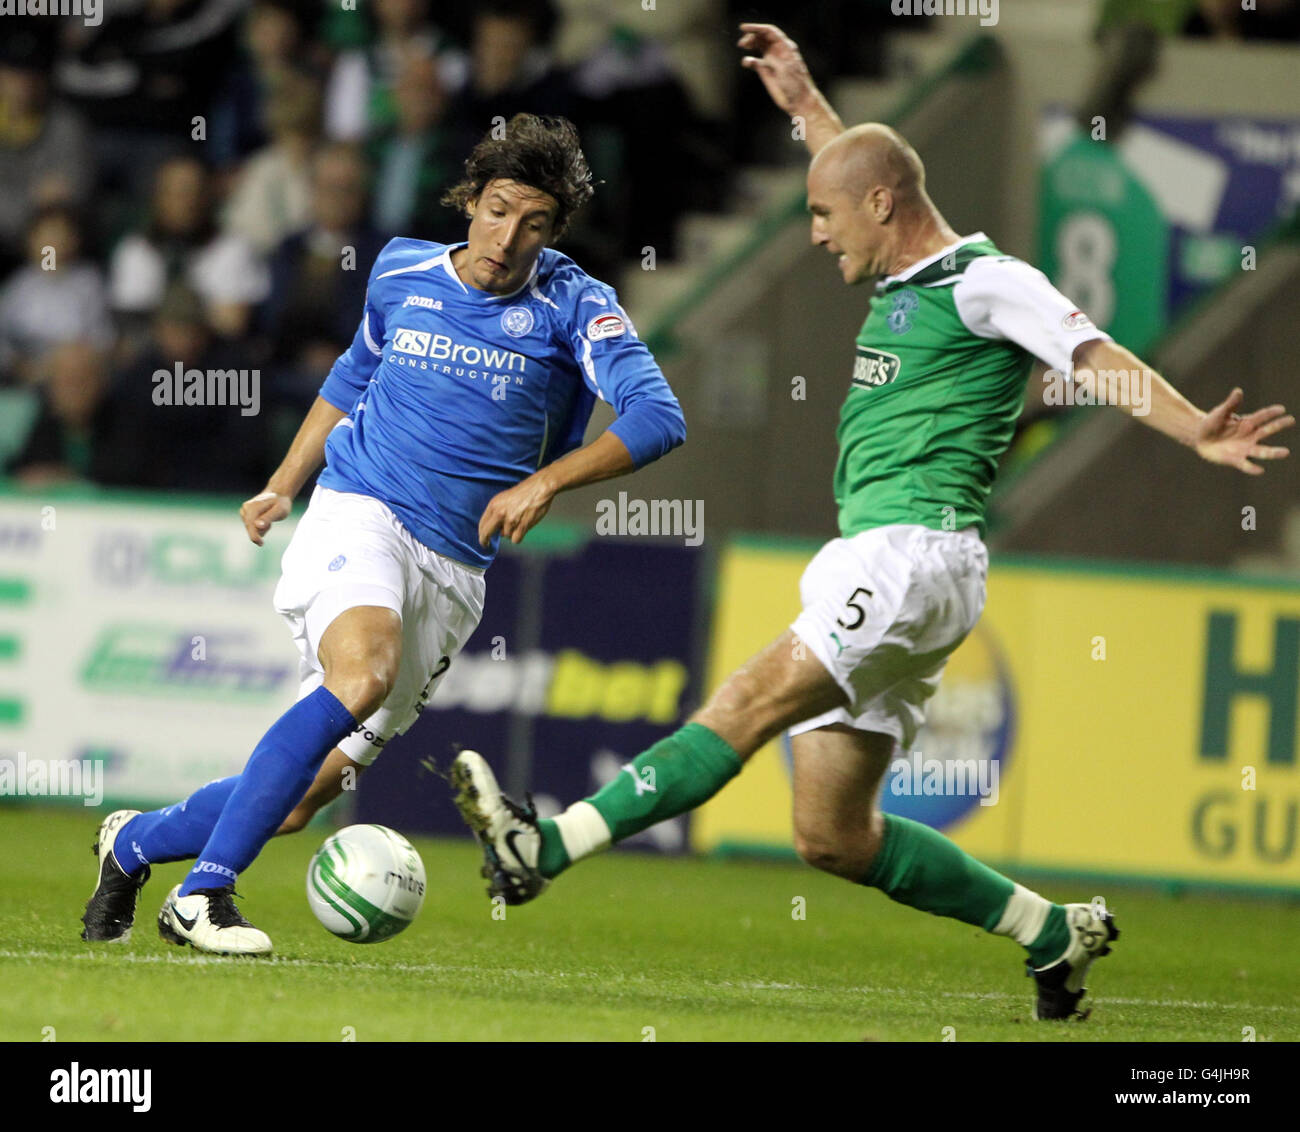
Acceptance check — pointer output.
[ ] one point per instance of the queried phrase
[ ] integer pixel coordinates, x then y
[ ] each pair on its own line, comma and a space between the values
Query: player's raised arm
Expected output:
1002, 297
1221, 436
776, 60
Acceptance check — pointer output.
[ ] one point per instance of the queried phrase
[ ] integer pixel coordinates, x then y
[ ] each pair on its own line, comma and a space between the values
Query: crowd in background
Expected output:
180, 184
209, 181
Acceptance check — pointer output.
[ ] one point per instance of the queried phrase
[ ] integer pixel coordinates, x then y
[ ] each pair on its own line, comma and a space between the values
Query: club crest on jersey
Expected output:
517, 321
605, 326
874, 367
899, 318
1076, 320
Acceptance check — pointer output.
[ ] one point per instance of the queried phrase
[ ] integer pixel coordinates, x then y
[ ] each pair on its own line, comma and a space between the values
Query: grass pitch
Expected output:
622, 948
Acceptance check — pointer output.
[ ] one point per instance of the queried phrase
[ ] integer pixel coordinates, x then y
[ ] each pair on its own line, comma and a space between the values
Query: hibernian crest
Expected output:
900, 314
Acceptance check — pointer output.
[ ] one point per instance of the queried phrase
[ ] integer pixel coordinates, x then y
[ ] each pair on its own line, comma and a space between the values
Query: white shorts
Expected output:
351, 550
882, 611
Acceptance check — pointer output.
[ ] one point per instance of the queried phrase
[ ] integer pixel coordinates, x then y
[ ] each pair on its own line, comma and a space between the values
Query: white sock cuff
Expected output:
1024, 916
582, 830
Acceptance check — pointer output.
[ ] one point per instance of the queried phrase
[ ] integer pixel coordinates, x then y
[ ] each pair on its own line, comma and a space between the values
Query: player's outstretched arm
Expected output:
1221, 436
776, 60
303, 458
515, 511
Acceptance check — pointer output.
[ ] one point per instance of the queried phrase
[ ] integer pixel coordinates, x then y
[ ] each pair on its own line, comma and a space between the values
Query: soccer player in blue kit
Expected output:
453, 420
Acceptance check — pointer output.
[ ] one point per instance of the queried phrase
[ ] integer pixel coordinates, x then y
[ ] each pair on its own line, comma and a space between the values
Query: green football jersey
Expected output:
938, 384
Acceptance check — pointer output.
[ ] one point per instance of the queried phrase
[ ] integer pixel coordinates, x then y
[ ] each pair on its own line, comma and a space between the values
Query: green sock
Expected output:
552, 858
921, 868
1050, 943
675, 775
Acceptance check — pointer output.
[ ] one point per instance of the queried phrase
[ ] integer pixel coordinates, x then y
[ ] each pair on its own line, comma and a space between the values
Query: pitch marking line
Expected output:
452, 969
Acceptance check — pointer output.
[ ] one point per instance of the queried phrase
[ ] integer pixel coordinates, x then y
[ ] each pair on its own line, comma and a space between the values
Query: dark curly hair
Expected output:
542, 153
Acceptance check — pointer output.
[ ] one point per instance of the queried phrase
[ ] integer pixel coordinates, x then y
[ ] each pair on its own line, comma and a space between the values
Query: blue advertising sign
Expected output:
582, 661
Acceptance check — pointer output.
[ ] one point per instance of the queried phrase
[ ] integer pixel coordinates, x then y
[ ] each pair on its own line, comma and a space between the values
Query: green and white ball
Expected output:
365, 883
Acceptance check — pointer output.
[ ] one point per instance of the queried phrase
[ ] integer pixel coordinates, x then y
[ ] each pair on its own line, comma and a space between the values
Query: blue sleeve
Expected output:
350, 375
619, 368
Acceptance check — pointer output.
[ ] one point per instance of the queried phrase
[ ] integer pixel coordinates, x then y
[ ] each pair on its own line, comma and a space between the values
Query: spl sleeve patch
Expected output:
605, 326
1076, 320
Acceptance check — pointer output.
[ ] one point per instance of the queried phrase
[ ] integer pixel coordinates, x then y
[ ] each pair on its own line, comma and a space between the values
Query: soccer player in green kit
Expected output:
936, 385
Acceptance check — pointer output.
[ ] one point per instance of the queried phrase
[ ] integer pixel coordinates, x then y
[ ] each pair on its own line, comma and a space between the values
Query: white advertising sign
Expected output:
138, 647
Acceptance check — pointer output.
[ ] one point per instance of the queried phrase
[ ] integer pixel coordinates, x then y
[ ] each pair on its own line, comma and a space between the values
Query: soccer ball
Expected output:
365, 883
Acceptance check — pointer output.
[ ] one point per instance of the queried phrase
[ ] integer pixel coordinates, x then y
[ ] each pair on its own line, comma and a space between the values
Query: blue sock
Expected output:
175, 833
277, 776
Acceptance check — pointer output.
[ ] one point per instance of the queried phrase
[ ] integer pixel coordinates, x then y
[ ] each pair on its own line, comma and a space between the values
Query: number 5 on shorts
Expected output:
852, 603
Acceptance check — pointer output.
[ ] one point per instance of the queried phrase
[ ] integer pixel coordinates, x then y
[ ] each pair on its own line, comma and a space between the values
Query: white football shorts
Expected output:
351, 550
882, 611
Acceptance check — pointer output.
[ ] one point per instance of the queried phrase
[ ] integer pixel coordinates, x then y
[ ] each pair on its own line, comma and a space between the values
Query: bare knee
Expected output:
828, 854
361, 653
362, 688
847, 853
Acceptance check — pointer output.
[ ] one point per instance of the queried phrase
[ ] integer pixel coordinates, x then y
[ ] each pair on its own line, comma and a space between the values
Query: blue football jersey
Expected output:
454, 394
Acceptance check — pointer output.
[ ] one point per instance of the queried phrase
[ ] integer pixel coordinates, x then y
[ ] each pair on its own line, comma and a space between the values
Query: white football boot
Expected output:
506, 830
1060, 983
209, 921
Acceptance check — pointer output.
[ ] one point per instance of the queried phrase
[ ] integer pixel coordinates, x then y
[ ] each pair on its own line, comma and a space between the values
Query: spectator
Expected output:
61, 444
181, 243
360, 98
207, 447
144, 74
1230, 19
272, 195
120, 434
55, 298
1129, 35
318, 278
693, 35
510, 70
43, 145
413, 162
276, 48
631, 90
